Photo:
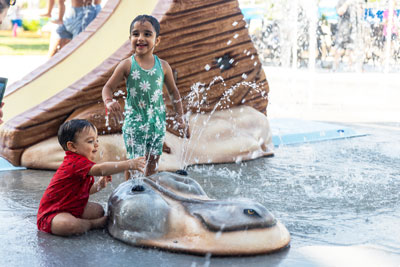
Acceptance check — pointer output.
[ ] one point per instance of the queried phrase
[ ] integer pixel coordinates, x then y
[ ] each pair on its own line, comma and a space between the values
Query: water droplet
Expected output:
238, 159
255, 63
244, 76
229, 42
218, 235
231, 61
236, 36
207, 67
235, 23
252, 57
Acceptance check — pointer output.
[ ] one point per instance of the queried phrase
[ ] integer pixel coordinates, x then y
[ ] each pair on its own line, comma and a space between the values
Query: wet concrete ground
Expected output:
24, 245
345, 215
337, 198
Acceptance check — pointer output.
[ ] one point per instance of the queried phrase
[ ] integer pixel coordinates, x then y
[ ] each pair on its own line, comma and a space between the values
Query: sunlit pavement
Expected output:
336, 97
16, 67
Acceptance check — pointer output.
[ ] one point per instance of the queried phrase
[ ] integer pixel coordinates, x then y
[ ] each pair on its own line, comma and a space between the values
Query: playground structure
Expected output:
217, 72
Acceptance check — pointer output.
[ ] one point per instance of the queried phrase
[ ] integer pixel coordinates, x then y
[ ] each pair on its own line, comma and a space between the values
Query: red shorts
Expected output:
44, 224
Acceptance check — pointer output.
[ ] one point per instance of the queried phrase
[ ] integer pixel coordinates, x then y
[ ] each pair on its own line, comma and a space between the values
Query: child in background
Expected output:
61, 11
144, 125
79, 16
64, 208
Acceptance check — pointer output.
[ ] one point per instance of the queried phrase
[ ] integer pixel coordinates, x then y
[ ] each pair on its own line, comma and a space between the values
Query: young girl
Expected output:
64, 208
145, 73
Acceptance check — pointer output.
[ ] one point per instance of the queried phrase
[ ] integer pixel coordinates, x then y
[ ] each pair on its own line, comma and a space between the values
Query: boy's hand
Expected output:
103, 181
137, 164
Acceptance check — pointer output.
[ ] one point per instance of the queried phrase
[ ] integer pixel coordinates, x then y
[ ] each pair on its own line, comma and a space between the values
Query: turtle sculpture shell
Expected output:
172, 212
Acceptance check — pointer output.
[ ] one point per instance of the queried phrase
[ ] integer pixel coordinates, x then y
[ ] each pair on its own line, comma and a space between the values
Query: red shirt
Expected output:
68, 190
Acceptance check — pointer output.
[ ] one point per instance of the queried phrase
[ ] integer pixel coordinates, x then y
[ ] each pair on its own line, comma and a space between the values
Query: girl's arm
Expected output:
175, 95
109, 168
119, 74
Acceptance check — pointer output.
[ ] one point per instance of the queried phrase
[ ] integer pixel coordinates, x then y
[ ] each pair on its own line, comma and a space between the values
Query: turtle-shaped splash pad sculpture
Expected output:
172, 212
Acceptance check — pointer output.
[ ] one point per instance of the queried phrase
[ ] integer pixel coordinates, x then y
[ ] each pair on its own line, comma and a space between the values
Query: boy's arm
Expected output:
175, 95
109, 168
100, 184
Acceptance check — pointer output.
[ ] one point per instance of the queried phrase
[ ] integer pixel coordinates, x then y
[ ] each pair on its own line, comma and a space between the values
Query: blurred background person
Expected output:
4, 6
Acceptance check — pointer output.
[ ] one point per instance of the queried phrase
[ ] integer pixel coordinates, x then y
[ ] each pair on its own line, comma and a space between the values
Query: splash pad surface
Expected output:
336, 197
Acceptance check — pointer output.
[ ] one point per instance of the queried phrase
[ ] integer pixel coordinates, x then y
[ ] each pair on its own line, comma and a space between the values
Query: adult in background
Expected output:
80, 15
4, 5
347, 30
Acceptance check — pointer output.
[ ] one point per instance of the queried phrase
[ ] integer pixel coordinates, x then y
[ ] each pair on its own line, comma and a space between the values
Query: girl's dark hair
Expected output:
4, 4
68, 130
151, 19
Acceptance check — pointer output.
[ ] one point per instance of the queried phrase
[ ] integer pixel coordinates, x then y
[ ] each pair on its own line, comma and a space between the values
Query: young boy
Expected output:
64, 208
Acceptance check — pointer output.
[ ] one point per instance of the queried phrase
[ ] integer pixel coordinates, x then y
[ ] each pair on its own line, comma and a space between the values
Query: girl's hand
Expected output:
183, 127
114, 109
137, 164
103, 181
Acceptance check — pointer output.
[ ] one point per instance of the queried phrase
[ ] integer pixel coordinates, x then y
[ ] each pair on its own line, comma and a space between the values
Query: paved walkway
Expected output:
16, 67
339, 97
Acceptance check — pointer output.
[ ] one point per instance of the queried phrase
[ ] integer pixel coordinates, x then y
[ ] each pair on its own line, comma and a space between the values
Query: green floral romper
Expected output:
144, 125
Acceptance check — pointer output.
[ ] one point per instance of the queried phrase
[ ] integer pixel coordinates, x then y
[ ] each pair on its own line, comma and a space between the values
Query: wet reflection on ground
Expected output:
337, 198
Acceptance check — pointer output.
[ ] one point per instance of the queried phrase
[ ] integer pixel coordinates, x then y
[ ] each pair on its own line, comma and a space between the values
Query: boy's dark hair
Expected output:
151, 19
68, 130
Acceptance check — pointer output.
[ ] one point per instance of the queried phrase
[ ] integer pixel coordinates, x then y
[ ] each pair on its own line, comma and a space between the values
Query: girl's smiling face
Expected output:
143, 38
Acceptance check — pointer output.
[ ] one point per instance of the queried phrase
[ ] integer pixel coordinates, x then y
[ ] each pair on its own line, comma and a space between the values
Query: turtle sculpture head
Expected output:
172, 212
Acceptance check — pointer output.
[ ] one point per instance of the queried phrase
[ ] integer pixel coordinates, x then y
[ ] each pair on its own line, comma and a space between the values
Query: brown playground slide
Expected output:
201, 39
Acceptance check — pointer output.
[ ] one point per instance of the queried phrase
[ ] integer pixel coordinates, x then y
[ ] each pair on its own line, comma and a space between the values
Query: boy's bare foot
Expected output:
98, 223
57, 21
45, 15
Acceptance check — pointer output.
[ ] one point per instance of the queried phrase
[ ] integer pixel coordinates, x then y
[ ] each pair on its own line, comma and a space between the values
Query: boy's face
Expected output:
85, 144
143, 38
